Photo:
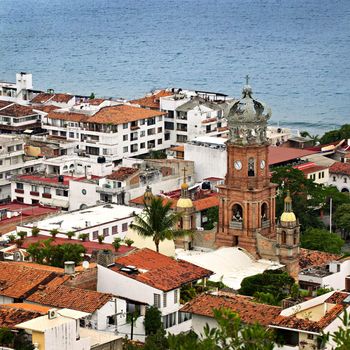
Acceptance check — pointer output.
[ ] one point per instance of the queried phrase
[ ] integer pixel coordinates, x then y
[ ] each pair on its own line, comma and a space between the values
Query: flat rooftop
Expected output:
89, 217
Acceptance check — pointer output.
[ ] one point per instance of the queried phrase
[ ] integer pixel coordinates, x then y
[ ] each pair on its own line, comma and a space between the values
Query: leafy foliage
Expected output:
212, 216
83, 236
100, 239
6, 336
54, 232
128, 242
43, 252
342, 218
157, 221
70, 234
336, 135
35, 231
275, 284
22, 234
152, 321
320, 239
117, 243
159, 154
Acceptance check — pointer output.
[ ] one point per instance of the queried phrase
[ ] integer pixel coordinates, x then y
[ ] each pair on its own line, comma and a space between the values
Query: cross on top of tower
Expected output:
247, 79
184, 170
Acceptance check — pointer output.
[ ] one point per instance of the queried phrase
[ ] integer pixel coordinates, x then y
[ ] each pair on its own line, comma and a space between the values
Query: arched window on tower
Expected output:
237, 213
264, 212
251, 167
284, 237
295, 237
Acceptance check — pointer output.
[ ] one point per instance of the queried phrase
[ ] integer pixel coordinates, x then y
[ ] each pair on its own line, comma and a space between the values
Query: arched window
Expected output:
284, 237
237, 213
264, 212
345, 190
251, 167
295, 237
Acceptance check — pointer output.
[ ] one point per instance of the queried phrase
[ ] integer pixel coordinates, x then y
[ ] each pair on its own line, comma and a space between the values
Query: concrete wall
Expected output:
82, 193
342, 182
199, 322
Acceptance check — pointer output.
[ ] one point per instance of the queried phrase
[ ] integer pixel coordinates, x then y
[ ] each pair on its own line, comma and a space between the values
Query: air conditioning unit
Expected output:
52, 313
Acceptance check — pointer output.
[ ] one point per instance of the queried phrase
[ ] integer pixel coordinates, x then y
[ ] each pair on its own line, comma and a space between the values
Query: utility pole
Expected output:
330, 214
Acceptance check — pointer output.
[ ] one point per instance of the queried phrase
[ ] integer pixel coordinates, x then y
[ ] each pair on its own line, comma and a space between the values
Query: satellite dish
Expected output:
86, 264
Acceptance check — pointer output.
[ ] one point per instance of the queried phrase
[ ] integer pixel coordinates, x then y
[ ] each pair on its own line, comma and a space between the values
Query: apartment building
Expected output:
110, 134
13, 161
16, 118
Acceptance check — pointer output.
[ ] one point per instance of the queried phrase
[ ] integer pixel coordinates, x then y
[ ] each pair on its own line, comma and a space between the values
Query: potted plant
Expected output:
84, 236
117, 243
35, 231
129, 242
70, 234
21, 235
100, 239
54, 232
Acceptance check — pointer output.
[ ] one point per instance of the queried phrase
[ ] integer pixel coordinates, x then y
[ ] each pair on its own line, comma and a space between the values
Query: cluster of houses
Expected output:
83, 167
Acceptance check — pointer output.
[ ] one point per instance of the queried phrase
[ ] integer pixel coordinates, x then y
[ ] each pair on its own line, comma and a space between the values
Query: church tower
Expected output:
288, 239
247, 199
185, 206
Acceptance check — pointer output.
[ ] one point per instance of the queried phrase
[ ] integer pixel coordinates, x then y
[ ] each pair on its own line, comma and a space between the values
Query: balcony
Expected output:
237, 225
34, 193
134, 127
265, 224
46, 195
17, 190
108, 190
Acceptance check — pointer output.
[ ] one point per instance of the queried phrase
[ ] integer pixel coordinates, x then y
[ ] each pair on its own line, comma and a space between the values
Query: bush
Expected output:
35, 231
320, 239
152, 321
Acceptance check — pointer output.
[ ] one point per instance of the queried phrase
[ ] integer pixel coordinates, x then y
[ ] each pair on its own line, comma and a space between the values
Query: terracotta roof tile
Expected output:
152, 101
284, 154
122, 114
46, 97
309, 258
11, 316
28, 307
46, 108
69, 116
16, 110
18, 281
248, 310
160, 271
340, 168
122, 173
72, 298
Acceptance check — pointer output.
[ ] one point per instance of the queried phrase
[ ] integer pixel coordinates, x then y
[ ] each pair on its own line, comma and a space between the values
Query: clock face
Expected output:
238, 164
262, 164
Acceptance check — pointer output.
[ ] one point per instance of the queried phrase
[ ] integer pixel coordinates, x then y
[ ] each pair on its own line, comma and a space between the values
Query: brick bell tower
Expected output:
247, 199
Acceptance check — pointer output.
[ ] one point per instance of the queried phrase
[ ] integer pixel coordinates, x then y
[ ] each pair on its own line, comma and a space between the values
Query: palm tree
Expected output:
157, 221
70, 234
100, 239
117, 243
54, 232
35, 231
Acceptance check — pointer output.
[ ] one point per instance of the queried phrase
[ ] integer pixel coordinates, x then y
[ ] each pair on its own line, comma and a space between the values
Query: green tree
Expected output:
54, 232
320, 239
152, 321
212, 217
342, 219
22, 234
6, 337
128, 242
336, 135
70, 234
157, 220
92, 96
117, 243
35, 231
277, 283
83, 236
159, 154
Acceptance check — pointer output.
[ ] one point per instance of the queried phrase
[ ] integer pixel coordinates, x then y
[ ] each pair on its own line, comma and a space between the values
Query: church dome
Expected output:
184, 203
249, 110
287, 217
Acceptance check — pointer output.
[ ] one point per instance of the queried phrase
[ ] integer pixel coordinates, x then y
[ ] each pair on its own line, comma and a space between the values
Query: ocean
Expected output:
296, 52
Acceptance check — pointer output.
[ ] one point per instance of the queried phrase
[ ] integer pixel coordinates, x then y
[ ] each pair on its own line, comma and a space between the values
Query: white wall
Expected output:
77, 198
339, 181
199, 322
5, 300
111, 308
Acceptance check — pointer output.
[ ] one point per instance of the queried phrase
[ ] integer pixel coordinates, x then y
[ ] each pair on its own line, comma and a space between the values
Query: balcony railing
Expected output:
238, 225
265, 224
17, 190
34, 193
46, 195
108, 190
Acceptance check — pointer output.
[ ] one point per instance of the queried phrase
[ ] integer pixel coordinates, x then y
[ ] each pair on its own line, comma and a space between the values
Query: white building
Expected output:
332, 275
191, 114
109, 220
339, 176
111, 133
151, 278
317, 173
13, 161
50, 98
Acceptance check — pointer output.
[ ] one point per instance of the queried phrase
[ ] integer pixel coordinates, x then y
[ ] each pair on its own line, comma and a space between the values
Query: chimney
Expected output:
105, 258
69, 267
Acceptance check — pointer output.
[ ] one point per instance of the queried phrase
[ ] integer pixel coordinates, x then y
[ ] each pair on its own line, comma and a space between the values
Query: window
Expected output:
310, 336
105, 232
125, 149
334, 179
114, 230
142, 145
10, 149
175, 296
94, 151
164, 299
142, 133
160, 129
142, 122
160, 118
169, 320
125, 137
124, 226
104, 151
94, 234
345, 180
71, 135
156, 300
20, 199
284, 237
18, 147
125, 125
61, 192
34, 188
160, 141
151, 131
19, 186
184, 316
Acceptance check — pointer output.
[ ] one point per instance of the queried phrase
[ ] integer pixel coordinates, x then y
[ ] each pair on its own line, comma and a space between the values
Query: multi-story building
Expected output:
111, 133
13, 161
339, 176
16, 118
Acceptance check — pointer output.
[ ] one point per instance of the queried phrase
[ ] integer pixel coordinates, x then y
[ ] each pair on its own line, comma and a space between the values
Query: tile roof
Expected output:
63, 296
152, 101
309, 258
10, 315
122, 173
340, 168
122, 114
284, 154
18, 281
310, 167
16, 110
71, 116
96, 101
52, 179
160, 271
248, 310
28, 307
46, 97
46, 108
